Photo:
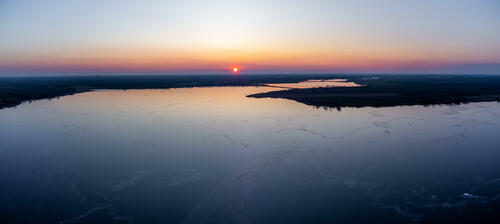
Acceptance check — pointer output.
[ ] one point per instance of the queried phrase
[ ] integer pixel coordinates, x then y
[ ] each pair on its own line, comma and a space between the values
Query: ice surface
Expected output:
211, 154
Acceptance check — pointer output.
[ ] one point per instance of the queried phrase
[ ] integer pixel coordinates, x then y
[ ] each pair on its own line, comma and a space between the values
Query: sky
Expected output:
258, 36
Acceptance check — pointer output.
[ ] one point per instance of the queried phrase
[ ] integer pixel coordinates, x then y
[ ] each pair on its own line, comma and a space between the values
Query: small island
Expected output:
397, 90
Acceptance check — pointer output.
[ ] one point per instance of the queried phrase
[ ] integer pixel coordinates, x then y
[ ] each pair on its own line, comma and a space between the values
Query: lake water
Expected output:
316, 83
212, 155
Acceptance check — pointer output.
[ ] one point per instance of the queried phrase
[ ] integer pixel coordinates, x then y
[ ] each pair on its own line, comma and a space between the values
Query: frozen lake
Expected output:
212, 155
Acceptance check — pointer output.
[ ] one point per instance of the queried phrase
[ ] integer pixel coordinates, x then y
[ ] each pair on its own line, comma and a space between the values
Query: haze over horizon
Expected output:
186, 37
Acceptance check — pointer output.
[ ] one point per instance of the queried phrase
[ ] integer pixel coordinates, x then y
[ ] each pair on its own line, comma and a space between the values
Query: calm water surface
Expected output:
315, 83
211, 155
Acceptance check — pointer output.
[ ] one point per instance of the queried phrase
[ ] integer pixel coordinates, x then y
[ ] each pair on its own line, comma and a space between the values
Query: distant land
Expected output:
377, 91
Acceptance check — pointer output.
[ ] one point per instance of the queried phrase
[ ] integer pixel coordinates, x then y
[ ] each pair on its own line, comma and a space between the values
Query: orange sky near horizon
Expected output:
218, 60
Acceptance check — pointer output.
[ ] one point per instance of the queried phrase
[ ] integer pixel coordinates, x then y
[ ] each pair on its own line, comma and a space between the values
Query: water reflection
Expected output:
316, 83
212, 155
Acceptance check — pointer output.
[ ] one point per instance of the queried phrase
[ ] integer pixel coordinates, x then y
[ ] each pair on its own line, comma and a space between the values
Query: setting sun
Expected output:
235, 69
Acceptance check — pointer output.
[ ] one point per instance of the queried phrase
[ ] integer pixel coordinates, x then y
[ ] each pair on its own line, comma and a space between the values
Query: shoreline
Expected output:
377, 90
